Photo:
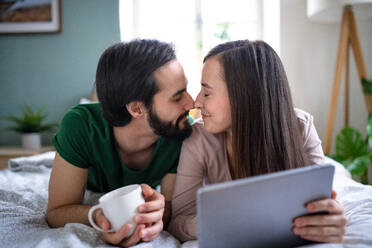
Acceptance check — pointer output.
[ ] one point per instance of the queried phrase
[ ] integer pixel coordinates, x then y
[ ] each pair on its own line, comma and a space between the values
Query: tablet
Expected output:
259, 211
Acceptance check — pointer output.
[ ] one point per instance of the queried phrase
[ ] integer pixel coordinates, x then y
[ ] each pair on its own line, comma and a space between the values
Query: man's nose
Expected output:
189, 102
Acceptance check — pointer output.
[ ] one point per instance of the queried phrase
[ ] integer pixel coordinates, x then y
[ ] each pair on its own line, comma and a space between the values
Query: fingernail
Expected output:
142, 208
298, 222
143, 234
296, 231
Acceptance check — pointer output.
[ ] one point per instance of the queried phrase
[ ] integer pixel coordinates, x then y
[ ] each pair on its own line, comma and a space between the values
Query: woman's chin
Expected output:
211, 129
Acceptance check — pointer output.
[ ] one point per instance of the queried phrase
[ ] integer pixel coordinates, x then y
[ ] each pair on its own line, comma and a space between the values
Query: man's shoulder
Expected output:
88, 113
85, 110
84, 121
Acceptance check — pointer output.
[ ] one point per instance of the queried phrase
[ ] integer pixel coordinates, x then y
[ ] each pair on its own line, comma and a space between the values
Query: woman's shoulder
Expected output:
306, 124
207, 152
201, 139
303, 116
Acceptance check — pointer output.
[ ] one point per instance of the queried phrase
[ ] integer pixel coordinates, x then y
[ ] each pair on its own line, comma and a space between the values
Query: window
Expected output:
195, 26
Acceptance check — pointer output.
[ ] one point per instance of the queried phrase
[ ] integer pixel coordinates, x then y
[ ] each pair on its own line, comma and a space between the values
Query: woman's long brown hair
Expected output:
265, 131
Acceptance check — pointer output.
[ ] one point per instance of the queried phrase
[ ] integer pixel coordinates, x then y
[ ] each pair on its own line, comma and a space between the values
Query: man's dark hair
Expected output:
125, 74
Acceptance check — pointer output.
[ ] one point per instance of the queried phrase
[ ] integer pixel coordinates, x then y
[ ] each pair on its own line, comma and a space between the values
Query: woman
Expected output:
250, 128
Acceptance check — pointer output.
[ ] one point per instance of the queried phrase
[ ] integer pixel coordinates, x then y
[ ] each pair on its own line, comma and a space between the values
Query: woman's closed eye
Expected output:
205, 93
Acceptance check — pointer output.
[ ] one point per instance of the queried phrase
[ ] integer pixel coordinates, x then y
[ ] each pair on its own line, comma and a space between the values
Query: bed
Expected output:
23, 201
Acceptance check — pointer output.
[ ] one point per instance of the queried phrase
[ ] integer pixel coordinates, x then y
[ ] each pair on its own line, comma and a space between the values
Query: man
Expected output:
132, 136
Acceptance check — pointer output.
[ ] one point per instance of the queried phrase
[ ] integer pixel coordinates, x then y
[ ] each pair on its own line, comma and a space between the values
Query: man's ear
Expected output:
136, 109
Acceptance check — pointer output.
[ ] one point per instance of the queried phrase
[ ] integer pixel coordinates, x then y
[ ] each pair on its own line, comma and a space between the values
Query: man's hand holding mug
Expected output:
129, 214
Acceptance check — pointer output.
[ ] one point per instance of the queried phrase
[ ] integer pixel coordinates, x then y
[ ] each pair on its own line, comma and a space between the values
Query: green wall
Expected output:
55, 70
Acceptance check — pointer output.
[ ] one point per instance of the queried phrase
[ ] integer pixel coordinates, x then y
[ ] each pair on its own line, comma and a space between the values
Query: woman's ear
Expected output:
136, 109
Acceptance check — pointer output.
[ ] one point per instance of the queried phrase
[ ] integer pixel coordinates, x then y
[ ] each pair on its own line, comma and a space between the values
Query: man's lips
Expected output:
182, 118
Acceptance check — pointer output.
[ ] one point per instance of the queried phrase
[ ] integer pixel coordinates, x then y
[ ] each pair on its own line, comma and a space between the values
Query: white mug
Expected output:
119, 207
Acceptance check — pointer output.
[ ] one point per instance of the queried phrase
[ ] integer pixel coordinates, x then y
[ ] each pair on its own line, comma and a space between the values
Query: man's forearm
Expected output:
59, 217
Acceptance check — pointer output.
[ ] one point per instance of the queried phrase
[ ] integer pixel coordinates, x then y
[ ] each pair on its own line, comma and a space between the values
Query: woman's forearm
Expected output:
183, 227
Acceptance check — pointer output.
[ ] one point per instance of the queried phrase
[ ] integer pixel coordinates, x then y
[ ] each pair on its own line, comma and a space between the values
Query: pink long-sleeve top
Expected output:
204, 160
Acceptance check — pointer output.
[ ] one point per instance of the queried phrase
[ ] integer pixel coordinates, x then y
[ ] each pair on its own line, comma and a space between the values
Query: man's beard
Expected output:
167, 129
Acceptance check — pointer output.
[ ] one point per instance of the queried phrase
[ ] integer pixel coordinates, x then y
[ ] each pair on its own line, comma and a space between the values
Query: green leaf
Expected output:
369, 130
49, 127
224, 34
369, 117
367, 86
370, 141
369, 126
30, 122
358, 166
350, 144
335, 157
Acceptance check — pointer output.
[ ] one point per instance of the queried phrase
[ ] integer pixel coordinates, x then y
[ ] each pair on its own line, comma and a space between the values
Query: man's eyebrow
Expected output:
179, 92
206, 85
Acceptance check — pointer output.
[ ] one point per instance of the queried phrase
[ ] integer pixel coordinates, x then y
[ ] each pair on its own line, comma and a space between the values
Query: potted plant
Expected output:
354, 151
30, 126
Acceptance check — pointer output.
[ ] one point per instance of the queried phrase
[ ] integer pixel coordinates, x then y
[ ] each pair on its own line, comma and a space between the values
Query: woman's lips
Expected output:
205, 115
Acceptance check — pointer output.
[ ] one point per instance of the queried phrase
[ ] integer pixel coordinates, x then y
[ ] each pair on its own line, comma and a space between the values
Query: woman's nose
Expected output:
198, 104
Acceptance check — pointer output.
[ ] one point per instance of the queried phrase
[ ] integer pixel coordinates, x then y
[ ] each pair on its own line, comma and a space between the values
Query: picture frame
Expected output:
30, 16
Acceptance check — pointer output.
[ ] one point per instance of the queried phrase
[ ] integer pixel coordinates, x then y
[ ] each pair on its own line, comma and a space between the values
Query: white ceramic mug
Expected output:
119, 207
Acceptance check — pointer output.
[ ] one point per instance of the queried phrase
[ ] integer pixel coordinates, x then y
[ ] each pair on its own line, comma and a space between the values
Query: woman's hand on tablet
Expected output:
328, 227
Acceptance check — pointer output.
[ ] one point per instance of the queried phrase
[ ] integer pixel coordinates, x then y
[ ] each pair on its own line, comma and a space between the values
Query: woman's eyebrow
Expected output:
206, 85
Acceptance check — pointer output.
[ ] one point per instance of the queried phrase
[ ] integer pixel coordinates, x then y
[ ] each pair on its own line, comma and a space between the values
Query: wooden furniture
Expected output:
7, 152
348, 37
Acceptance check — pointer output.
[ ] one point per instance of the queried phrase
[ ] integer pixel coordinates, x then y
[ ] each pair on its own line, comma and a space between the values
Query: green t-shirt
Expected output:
85, 140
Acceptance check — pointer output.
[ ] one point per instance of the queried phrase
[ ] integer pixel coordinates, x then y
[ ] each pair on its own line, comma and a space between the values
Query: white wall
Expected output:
308, 51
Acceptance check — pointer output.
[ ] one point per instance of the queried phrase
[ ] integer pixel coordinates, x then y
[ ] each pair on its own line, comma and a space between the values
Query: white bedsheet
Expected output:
23, 201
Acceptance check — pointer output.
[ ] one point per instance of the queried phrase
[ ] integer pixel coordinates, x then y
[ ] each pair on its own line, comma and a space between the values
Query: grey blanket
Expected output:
24, 194
23, 201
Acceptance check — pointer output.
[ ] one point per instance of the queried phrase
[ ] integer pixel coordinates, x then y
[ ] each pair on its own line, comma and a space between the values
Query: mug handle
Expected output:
91, 221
